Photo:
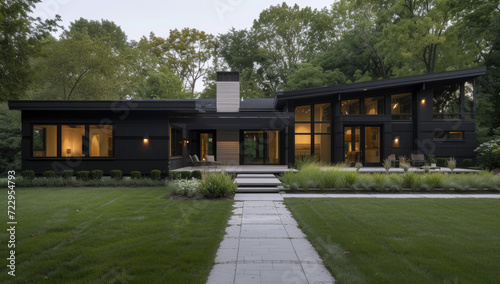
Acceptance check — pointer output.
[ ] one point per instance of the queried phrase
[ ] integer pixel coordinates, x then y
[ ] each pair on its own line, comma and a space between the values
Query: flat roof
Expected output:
184, 105
378, 84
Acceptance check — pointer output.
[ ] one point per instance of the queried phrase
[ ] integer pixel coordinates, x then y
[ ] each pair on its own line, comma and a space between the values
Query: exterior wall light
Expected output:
423, 101
396, 140
146, 139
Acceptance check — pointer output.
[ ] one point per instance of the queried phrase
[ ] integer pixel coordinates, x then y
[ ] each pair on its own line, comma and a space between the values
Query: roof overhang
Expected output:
118, 105
409, 81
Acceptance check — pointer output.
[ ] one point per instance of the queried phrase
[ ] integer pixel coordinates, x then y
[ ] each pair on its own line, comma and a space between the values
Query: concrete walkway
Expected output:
263, 244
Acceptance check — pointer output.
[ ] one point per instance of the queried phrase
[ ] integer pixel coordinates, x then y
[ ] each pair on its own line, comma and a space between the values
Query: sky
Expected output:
138, 18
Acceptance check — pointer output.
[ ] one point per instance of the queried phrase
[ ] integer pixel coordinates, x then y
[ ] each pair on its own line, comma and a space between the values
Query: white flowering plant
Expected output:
187, 187
488, 154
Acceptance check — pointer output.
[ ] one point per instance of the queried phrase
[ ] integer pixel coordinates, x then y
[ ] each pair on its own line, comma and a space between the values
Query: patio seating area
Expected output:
239, 169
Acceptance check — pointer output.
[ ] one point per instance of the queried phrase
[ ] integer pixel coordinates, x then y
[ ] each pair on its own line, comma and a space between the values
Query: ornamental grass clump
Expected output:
217, 185
387, 165
451, 163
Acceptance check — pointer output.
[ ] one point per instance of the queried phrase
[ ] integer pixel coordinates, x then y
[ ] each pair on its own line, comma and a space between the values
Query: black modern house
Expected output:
359, 122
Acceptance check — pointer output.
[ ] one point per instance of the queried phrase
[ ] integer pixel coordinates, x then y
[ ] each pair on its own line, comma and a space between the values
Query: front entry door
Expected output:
207, 144
362, 144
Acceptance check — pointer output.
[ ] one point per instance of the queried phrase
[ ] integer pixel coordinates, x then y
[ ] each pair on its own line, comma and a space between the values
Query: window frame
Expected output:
86, 143
171, 141
312, 122
402, 114
446, 137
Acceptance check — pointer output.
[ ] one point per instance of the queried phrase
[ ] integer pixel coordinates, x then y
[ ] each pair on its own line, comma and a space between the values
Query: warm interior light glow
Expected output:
423, 101
395, 105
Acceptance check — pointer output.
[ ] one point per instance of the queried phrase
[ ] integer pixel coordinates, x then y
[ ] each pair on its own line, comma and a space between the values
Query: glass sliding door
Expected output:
260, 147
352, 147
372, 145
362, 144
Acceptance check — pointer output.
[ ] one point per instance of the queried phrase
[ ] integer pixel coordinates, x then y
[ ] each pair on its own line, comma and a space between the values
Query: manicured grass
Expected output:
112, 235
404, 240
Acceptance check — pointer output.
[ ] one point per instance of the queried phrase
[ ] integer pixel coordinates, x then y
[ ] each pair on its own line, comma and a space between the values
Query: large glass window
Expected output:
349, 107
260, 147
313, 131
303, 113
101, 140
401, 106
446, 102
448, 135
44, 140
75, 140
469, 99
175, 141
72, 137
374, 105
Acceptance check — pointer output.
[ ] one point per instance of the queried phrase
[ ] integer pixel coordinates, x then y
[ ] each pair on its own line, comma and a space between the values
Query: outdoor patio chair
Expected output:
394, 162
195, 162
211, 159
417, 160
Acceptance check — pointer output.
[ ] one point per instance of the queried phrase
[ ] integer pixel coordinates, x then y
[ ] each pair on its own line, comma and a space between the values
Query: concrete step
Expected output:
257, 190
255, 176
257, 182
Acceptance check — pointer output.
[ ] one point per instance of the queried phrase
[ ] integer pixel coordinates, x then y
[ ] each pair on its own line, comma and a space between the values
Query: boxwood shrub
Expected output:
135, 174
155, 174
174, 175
116, 174
67, 174
196, 174
82, 175
28, 174
467, 163
441, 162
96, 174
49, 174
186, 175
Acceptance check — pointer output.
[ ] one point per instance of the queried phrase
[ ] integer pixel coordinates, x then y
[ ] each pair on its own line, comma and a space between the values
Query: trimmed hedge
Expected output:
49, 174
82, 175
28, 174
196, 174
96, 174
67, 174
116, 174
467, 163
135, 174
155, 174
174, 175
441, 162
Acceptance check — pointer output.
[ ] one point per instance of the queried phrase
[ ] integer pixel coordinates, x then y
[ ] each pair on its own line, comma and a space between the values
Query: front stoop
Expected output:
258, 183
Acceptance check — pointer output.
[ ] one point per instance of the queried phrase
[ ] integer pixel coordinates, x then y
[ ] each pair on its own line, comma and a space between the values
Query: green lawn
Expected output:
112, 235
404, 240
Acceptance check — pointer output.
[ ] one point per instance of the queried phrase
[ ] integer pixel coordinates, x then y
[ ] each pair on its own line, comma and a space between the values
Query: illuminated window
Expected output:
374, 105
101, 140
401, 106
349, 107
313, 131
448, 135
44, 140
72, 137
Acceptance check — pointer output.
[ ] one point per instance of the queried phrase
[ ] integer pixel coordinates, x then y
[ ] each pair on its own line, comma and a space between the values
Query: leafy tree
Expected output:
105, 31
186, 52
78, 67
10, 139
161, 85
20, 40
